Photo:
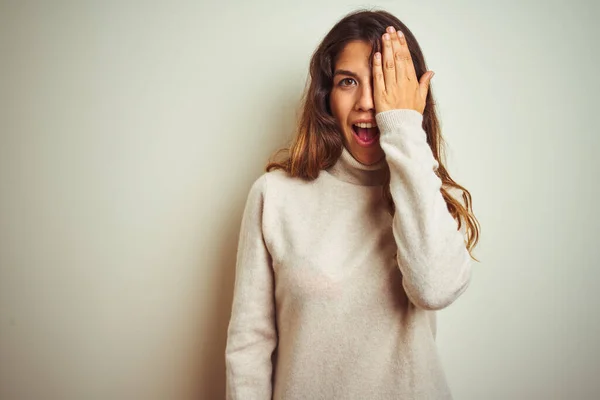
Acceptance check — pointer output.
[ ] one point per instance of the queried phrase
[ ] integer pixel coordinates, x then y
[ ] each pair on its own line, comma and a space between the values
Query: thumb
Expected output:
425, 82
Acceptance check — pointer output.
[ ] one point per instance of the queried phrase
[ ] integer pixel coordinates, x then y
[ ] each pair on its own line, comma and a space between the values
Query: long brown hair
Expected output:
318, 143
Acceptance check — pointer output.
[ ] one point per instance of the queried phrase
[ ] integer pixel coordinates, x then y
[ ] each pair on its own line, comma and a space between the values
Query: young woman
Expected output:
349, 246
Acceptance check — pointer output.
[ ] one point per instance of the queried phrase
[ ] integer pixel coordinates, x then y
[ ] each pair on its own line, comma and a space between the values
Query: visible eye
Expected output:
342, 82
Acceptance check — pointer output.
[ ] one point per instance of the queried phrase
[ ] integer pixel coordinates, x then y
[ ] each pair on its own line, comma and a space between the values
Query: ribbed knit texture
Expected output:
334, 298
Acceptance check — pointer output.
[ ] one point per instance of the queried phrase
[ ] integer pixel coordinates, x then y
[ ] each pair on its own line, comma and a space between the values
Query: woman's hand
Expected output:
395, 82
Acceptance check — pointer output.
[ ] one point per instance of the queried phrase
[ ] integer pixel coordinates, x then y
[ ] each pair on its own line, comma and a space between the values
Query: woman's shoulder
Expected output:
281, 179
279, 186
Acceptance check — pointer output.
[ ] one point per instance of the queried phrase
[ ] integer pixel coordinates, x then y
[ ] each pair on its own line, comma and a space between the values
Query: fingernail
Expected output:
386, 36
400, 34
390, 29
377, 56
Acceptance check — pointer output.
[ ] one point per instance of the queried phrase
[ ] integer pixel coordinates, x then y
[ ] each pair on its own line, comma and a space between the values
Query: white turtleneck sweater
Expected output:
334, 298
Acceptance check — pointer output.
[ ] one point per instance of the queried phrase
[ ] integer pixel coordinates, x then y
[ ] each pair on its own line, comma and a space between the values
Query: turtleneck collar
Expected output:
349, 169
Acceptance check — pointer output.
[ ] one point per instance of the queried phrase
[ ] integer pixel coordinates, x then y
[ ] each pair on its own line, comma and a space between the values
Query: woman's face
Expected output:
351, 100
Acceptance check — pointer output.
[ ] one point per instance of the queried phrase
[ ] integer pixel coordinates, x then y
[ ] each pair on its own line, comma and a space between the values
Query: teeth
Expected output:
366, 125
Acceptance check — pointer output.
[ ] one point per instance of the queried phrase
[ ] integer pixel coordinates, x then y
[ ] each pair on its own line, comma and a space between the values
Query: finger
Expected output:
398, 53
425, 82
378, 80
409, 67
389, 68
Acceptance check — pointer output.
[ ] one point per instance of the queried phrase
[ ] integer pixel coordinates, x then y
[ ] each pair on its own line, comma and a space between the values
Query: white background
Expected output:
130, 133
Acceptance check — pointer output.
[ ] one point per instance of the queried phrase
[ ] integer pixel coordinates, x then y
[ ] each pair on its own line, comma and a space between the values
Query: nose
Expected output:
364, 102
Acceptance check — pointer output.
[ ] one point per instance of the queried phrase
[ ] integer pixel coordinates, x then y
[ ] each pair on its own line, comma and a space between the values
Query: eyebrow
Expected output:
345, 72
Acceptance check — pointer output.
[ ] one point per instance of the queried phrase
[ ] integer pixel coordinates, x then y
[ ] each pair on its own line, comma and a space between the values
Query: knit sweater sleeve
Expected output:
432, 253
252, 333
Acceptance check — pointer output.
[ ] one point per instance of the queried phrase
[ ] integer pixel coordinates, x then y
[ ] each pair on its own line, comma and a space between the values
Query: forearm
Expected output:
432, 254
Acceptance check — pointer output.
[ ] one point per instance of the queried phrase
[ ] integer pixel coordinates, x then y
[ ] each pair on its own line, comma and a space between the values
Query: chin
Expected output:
366, 155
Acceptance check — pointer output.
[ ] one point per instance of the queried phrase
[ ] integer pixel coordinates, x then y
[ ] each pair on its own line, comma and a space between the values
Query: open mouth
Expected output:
366, 134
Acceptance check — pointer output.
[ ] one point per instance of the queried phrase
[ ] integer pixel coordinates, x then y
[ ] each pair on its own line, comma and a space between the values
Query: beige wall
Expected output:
129, 136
